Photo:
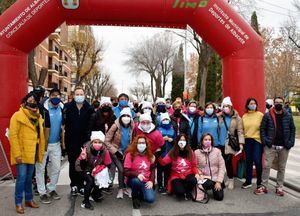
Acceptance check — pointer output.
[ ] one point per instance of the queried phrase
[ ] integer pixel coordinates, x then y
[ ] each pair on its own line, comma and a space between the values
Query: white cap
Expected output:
147, 104
270, 102
226, 101
105, 100
126, 111
97, 135
160, 100
145, 117
164, 116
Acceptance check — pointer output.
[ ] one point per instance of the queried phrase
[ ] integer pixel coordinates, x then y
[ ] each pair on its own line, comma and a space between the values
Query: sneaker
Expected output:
246, 185
87, 205
54, 195
136, 203
279, 192
81, 192
107, 191
188, 196
74, 191
96, 198
230, 184
261, 190
45, 199
120, 194
128, 192
162, 190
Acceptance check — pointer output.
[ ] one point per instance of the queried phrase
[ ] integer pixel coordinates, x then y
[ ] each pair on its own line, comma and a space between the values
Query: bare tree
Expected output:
140, 90
85, 51
153, 56
98, 83
244, 7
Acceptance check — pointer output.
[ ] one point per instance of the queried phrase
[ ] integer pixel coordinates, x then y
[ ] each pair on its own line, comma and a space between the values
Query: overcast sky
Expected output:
271, 13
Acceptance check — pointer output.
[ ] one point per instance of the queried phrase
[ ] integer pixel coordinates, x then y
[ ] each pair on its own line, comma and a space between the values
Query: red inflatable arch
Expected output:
28, 22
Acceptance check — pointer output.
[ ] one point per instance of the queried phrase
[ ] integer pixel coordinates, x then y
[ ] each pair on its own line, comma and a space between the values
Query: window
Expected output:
56, 67
65, 89
66, 74
66, 58
56, 49
41, 54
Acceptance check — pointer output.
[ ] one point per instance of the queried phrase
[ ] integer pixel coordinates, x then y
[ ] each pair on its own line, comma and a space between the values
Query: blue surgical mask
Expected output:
55, 101
252, 107
79, 99
123, 103
161, 108
209, 111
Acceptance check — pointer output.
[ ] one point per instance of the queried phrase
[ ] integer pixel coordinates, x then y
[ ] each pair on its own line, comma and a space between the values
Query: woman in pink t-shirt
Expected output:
139, 169
183, 168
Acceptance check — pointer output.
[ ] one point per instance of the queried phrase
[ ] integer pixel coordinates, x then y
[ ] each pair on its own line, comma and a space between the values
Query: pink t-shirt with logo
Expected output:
140, 164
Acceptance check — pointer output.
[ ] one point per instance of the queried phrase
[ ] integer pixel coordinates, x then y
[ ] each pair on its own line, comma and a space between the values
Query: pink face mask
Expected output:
97, 146
206, 144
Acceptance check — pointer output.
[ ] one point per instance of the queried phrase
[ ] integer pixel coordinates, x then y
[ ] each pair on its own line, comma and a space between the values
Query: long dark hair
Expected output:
248, 102
174, 152
202, 138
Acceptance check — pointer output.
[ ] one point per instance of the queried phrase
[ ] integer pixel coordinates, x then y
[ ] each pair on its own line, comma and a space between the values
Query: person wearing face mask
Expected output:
27, 144
211, 166
148, 108
123, 102
183, 168
94, 158
77, 114
168, 133
54, 136
169, 107
230, 122
139, 169
193, 116
117, 140
209, 123
180, 120
104, 118
160, 107
277, 133
253, 147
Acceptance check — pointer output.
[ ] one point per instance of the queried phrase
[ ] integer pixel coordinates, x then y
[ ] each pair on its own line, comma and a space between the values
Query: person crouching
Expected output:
139, 168
92, 165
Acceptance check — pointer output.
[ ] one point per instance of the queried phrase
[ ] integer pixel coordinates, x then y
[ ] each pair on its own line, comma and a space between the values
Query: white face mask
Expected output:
146, 127
165, 122
79, 99
181, 144
126, 120
168, 105
192, 109
141, 147
147, 110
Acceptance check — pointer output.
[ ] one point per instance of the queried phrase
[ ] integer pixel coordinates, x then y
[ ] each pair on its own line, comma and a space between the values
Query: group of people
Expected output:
178, 146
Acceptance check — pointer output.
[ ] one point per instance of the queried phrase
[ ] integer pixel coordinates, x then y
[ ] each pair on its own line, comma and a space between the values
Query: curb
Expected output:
288, 185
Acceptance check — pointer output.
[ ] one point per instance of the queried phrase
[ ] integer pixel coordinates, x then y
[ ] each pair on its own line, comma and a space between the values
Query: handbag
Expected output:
199, 194
232, 139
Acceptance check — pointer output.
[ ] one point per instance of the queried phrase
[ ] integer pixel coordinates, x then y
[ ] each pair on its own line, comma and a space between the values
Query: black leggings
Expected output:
210, 185
228, 161
90, 188
180, 187
163, 174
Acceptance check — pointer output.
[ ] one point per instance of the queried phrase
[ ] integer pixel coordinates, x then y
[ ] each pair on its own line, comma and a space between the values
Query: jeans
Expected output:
282, 156
24, 183
54, 153
253, 154
139, 191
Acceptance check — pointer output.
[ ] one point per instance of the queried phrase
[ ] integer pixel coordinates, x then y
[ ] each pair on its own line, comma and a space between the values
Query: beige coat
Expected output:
236, 123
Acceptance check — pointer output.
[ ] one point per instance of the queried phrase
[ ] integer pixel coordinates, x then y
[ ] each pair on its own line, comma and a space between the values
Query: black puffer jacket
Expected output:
268, 129
97, 122
184, 126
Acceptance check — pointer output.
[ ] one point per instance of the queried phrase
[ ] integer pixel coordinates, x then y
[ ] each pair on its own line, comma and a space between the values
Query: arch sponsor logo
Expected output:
193, 4
70, 4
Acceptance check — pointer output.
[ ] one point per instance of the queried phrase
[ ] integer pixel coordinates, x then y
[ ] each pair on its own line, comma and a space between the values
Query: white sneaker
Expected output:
128, 192
120, 194
230, 184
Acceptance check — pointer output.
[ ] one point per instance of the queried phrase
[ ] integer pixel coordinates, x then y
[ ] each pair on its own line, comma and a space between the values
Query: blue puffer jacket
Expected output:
268, 129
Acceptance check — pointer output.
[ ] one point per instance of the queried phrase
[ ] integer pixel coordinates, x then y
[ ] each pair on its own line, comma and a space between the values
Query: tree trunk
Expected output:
203, 86
43, 76
152, 90
158, 86
31, 69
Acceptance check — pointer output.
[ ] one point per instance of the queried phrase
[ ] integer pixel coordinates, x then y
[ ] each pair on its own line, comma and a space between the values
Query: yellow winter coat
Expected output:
23, 138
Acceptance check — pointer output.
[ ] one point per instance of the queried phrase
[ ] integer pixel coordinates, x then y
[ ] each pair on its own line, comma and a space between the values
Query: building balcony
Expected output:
53, 69
54, 35
52, 53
